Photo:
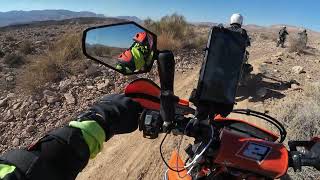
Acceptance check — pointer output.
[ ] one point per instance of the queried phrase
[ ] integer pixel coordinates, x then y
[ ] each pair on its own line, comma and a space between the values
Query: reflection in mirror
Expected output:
126, 47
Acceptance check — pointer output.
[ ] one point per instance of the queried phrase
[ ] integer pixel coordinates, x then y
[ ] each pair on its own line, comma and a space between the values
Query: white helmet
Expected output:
236, 19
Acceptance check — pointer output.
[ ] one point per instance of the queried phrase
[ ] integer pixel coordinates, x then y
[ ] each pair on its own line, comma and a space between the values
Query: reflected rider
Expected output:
139, 55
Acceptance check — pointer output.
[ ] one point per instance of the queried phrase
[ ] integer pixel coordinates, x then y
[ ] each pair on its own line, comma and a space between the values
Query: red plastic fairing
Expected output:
219, 118
250, 154
147, 93
143, 86
144, 91
177, 163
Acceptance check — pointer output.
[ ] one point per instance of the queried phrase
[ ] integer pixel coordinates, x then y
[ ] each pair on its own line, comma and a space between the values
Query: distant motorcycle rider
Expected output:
303, 36
282, 36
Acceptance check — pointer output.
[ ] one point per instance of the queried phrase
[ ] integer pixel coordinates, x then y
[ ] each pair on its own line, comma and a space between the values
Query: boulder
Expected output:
93, 71
63, 85
34, 106
103, 85
48, 93
69, 98
16, 105
16, 142
10, 79
11, 95
295, 87
4, 102
9, 115
30, 128
297, 69
52, 99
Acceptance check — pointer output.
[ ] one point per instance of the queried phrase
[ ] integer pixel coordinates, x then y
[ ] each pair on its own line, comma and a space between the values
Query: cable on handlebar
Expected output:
273, 121
161, 154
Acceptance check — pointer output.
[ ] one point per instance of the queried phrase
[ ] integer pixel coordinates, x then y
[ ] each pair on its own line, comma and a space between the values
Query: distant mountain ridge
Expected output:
21, 17
25, 17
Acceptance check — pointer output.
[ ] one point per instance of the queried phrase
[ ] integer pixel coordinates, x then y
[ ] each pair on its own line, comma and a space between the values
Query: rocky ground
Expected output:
279, 77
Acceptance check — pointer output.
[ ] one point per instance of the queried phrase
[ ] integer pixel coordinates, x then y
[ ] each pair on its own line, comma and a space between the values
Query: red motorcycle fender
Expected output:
176, 162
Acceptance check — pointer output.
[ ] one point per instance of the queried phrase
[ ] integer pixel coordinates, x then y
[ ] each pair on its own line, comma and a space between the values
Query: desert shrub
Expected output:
268, 36
26, 48
38, 73
301, 115
296, 44
63, 59
9, 38
198, 42
14, 60
167, 41
175, 29
68, 48
264, 36
313, 92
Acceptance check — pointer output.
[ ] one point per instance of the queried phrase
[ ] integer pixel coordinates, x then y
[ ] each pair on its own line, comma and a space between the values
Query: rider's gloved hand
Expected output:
116, 114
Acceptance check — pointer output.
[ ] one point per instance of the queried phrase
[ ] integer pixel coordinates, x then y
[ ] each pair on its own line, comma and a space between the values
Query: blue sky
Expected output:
262, 12
117, 36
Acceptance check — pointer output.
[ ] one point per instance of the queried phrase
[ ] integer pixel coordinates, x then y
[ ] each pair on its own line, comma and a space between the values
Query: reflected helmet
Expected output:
126, 56
145, 39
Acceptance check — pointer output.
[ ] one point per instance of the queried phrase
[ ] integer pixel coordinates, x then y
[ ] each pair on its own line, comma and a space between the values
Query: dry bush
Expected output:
166, 41
313, 92
302, 115
14, 60
26, 48
173, 32
38, 73
198, 42
296, 45
268, 36
9, 38
264, 36
68, 48
63, 59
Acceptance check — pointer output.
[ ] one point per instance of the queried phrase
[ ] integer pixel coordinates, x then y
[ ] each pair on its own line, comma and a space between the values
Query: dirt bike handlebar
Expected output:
308, 156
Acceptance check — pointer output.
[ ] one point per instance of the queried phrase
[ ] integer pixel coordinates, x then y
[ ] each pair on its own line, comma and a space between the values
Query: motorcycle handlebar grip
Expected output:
314, 162
166, 68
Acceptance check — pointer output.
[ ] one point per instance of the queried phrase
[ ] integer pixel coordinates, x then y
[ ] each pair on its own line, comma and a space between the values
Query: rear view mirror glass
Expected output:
127, 48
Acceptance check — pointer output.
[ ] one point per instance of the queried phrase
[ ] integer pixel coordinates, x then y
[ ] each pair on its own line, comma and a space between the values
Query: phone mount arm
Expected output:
166, 69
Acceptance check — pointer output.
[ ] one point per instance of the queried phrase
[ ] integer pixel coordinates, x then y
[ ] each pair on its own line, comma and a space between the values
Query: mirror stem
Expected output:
166, 69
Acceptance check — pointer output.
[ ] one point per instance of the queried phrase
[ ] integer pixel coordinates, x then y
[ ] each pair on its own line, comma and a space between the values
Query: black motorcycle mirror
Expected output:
128, 48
